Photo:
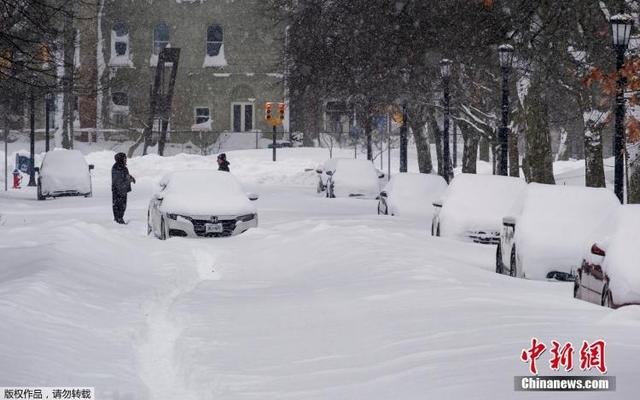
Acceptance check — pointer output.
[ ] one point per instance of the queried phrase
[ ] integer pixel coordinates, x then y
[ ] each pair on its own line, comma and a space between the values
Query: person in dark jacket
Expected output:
223, 164
120, 185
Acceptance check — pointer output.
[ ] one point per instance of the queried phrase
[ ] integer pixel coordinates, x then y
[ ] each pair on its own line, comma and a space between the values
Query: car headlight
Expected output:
246, 218
172, 216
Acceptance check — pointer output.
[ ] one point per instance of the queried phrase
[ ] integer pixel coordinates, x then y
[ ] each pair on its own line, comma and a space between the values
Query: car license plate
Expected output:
213, 228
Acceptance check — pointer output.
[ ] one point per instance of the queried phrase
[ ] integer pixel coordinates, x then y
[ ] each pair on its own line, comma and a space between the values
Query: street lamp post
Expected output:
32, 140
621, 28
47, 109
445, 71
505, 53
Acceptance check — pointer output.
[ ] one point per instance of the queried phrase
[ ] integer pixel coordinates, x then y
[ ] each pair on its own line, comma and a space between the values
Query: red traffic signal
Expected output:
267, 111
281, 108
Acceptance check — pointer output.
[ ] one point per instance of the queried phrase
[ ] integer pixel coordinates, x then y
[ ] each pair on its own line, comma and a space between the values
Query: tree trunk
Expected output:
538, 141
423, 147
368, 126
633, 191
485, 148
437, 134
563, 150
470, 150
67, 80
514, 153
593, 163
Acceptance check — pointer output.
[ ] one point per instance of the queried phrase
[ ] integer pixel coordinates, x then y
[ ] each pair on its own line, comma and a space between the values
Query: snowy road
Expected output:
326, 300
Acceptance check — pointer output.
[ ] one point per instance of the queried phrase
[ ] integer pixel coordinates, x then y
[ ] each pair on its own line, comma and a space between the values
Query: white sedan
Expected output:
200, 204
64, 173
354, 178
411, 194
545, 238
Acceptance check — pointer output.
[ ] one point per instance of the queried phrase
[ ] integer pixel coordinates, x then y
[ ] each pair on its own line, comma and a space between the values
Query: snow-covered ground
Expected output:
325, 300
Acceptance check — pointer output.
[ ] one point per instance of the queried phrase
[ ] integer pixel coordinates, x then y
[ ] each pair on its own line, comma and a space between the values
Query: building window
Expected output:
214, 40
120, 45
120, 99
215, 47
202, 115
160, 37
242, 117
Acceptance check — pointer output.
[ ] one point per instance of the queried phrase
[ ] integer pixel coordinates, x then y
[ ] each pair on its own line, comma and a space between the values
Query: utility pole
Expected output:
505, 52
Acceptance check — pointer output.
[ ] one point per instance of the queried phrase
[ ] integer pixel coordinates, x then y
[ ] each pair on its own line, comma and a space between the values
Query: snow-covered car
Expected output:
609, 274
544, 237
202, 203
473, 206
411, 194
354, 178
64, 173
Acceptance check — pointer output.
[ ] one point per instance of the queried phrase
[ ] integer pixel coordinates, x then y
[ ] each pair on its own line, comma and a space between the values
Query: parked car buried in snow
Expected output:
411, 194
473, 206
200, 204
64, 173
354, 178
609, 274
544, 237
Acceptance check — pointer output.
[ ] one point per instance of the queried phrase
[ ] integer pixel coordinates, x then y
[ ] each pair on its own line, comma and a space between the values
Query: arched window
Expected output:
214, 40
120, 38
160, 37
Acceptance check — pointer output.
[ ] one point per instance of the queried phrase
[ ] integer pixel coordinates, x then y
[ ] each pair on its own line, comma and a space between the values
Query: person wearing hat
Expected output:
223, 164
120, 186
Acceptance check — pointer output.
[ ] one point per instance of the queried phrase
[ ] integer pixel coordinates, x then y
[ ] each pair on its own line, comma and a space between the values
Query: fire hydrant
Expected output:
17, 179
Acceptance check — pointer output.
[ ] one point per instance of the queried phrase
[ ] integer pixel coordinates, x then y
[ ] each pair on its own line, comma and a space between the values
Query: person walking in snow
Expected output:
120, 186
223, 164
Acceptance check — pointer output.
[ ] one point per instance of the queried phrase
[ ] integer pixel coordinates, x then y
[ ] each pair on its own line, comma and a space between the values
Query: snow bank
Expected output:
65, 170
204, 192
355, 177
414, 194
478, 203
555, 223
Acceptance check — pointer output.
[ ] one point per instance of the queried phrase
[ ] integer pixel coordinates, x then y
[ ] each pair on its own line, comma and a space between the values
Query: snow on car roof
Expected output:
204, 192
555, 224
62, 158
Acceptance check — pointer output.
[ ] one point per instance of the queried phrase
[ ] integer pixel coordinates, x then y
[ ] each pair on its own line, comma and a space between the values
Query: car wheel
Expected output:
163, 230
499, 264
514, 263
39, 190
577, 288
149, 229
607, 301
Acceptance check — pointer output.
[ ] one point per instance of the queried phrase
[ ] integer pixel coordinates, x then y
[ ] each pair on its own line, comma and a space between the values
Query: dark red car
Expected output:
609, 274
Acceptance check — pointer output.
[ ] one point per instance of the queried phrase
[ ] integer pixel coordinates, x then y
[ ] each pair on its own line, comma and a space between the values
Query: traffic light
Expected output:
281, 107
267, 112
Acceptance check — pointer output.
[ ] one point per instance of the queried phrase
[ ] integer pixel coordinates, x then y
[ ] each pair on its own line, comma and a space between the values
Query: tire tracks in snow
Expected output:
158, 364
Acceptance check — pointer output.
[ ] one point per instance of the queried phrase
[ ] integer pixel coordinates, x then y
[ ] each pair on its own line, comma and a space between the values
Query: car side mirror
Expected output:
596, 250
437, 203
37, 169
383, 194
91, 166
381, 175
253, 196
330, 173
509, 221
